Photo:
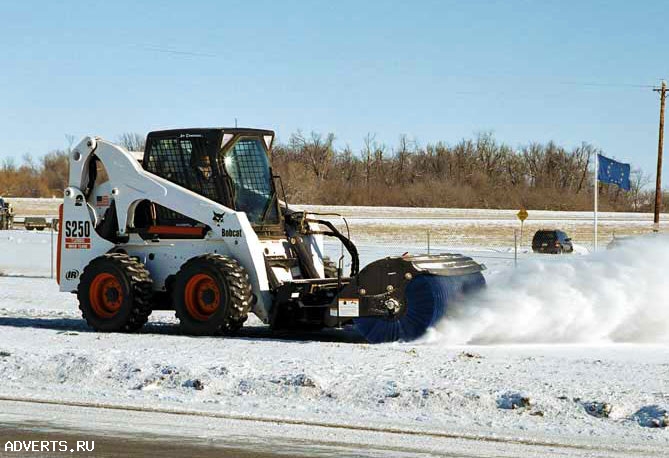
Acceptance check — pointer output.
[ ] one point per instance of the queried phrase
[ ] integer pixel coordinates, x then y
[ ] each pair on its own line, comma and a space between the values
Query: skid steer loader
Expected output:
195, 224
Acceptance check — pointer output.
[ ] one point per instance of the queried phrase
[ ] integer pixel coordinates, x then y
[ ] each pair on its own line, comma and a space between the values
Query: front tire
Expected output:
115, 293
212, 295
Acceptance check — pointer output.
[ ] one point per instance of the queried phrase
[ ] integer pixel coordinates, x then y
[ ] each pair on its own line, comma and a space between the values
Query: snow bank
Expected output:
532, 392
617, 295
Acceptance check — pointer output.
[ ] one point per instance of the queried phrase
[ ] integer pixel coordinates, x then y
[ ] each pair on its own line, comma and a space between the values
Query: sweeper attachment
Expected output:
194, 224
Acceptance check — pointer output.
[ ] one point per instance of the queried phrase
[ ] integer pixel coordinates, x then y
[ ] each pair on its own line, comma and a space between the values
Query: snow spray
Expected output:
617, 295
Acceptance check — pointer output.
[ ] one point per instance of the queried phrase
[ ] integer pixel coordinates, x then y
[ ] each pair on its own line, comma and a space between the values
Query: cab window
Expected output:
247, 165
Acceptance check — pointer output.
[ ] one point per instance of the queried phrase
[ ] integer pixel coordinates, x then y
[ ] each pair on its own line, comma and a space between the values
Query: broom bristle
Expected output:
428, 297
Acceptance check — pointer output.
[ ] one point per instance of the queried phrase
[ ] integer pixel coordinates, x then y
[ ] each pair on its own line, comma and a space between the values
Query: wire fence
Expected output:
489, 242
492, 242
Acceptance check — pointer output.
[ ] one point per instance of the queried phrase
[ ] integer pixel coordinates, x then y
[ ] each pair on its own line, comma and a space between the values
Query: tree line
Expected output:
47, 176
473, 173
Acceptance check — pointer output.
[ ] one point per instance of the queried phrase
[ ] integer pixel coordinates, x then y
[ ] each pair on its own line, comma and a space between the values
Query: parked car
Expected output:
551, 241
35, 223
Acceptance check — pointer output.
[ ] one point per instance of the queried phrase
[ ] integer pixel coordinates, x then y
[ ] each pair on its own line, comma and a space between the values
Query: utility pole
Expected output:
660, 148
596, 193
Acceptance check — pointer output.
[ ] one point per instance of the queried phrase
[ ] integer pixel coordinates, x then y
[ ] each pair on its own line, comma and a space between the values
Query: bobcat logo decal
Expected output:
218, 217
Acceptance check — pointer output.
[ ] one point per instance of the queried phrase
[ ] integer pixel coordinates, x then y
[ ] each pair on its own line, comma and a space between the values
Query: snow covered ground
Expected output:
491, 229
29, 206
47, 353
454, 228
49, 207
563, 355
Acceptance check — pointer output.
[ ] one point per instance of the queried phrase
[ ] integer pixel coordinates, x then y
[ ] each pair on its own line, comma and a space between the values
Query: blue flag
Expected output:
614, 172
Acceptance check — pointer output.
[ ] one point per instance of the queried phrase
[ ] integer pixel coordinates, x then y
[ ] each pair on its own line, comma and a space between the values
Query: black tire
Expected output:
109, 275
212, 294
330, 268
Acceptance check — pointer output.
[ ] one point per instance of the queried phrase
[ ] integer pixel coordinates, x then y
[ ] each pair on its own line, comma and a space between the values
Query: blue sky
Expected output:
568, 71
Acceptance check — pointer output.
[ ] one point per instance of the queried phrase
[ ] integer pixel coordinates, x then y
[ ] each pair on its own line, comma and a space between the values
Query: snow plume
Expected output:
618, 295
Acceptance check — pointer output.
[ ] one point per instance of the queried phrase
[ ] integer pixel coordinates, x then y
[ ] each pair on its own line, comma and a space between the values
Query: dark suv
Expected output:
552, 242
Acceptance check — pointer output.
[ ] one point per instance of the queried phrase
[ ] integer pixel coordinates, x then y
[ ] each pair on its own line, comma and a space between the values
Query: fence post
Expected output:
515, 247
51, 253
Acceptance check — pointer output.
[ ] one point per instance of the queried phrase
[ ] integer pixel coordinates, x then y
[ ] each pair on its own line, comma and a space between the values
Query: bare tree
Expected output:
70, 141
638, 181
318, 151
583, 154
132, 141
55, 167
404, 149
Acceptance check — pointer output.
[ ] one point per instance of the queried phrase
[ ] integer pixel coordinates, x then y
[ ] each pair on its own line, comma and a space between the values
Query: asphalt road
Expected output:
126, 432
114, 447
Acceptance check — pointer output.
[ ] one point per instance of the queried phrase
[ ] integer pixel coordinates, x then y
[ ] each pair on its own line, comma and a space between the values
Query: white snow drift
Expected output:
618, 295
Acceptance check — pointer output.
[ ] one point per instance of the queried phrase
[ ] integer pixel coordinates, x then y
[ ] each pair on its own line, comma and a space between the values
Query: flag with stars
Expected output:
614, 172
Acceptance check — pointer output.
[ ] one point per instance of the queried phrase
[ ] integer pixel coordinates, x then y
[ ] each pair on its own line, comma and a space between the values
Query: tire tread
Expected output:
140, 283
239, 289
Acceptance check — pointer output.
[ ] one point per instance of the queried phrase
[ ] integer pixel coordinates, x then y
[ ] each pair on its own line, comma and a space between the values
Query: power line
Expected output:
174, 51
506, 79
565, 83
583, 83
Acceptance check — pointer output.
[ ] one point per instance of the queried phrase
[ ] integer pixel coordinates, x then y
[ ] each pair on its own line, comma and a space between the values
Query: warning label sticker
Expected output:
347, 308
78, 243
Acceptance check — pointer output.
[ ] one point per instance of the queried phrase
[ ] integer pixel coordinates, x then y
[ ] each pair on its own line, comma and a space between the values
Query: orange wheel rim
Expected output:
202, 297
106, 295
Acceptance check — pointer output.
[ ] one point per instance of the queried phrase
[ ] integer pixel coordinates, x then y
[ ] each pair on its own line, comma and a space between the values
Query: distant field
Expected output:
26, 206
447, 227
457, 227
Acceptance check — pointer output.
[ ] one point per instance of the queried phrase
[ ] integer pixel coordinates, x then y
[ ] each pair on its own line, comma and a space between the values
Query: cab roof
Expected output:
209, 130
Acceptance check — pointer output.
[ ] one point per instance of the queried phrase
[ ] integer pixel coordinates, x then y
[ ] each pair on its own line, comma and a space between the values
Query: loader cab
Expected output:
229, 166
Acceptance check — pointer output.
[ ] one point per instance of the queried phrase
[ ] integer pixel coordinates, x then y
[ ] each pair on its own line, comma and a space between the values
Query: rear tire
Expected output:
212, 294
115, 293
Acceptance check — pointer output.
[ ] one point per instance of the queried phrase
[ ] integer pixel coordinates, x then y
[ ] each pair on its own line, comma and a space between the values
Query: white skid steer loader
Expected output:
195, 225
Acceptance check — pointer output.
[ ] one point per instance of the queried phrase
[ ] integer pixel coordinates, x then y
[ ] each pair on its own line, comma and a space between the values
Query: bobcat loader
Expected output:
195, 225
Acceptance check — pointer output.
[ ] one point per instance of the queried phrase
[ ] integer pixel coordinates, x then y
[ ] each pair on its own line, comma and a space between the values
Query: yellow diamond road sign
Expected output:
522, 214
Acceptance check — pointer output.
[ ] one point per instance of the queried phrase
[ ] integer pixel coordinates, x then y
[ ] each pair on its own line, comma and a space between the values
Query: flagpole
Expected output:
596, 194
